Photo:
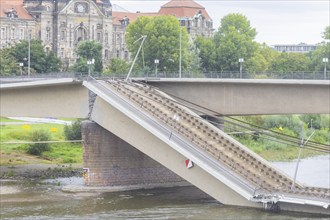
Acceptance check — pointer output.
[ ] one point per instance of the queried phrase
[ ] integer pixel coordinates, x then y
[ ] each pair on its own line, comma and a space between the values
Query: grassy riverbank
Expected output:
315, 127
13, 149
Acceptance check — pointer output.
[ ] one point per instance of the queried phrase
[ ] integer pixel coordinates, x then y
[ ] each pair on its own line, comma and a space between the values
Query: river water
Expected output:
45, 200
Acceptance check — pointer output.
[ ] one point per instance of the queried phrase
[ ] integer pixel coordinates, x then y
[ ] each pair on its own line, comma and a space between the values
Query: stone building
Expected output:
62, 24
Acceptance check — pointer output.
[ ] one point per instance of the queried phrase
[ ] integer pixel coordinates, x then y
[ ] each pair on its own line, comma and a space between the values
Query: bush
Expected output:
73, 131
38, 148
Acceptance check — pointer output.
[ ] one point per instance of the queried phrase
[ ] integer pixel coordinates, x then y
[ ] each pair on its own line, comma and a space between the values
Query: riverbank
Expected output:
40, 171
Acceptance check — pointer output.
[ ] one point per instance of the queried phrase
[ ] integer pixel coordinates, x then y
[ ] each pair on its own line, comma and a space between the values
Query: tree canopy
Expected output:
233, 40
40, 61
162, 42
88, 50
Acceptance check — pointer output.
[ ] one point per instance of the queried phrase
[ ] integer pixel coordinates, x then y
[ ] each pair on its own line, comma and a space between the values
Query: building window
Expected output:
81, 34
21, 34
12, 34
118, 53
126, 55
93, 32
106, 54
106, 38
2, 34
99, 37
62, 52
62, 35
118, 39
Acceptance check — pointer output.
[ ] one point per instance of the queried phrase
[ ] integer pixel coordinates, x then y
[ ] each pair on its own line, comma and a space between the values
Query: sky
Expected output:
276, 22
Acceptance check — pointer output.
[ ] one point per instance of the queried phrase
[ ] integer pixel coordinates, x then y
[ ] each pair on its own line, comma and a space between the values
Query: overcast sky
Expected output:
277, 22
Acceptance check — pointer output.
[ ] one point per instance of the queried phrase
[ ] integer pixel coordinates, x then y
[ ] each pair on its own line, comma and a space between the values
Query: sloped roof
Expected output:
132, 16
183, 8
17, 5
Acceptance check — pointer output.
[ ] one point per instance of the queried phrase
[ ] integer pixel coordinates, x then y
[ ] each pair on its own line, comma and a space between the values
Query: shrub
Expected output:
38, 148
73, 131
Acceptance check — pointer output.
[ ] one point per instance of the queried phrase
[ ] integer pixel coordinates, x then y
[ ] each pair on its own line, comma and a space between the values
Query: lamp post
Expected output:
21, 67
325, 61
90, 63
180, 59
29, 53
240, 60
156, 63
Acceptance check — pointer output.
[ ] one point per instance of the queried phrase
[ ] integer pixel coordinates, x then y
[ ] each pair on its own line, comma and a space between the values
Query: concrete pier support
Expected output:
110, 161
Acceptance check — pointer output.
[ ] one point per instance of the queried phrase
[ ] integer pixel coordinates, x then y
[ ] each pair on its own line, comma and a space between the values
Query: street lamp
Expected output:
21, 67
325, 61
90, 63
29, 53
240, 60
156, 63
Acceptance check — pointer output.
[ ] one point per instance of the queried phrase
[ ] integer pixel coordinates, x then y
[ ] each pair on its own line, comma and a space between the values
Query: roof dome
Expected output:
183, 8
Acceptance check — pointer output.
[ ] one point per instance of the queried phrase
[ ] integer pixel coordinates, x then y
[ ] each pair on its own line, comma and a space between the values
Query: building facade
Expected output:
62, 24
295, 48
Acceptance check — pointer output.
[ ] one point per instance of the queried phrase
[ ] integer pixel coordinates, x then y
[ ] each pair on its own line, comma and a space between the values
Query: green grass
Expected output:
286, 124
12, 154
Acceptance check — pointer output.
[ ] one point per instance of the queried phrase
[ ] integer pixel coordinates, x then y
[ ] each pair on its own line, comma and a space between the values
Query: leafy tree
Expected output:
326, 33
207, 54
8, 64
233, 40
322, 51
162, 42
261, 60
288, 62
39, 148
73, 131
117, 66
88, 50
40, 61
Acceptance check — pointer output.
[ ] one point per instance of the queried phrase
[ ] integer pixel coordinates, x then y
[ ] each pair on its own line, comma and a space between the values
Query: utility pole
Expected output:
302, 144
180, 59
29, 53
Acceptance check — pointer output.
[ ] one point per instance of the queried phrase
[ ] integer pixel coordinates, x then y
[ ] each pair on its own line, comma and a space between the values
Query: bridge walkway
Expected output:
254, 175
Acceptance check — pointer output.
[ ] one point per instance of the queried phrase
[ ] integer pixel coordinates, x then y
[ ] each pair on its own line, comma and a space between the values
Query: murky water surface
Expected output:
45, 200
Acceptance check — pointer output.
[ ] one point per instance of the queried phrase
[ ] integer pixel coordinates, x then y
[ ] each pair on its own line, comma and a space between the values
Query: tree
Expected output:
40, 61
291, 62
207, 54
162, 42
233, 40
88, 50
261, 61
326, 33
322, 51
117, 67
8, 64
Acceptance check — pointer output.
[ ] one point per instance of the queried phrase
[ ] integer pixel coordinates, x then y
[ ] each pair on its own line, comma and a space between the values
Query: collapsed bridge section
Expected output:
170, 133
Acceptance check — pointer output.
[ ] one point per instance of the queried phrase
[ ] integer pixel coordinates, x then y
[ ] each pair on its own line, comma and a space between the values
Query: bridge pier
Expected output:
110, 161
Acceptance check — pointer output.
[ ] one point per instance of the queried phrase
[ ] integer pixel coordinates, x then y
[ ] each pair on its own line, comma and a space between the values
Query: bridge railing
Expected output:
299, 75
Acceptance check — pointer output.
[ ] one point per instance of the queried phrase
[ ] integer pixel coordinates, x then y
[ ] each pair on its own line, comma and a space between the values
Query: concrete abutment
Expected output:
110, 161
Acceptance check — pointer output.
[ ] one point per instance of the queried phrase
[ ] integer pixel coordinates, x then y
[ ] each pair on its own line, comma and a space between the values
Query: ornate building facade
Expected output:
62, 24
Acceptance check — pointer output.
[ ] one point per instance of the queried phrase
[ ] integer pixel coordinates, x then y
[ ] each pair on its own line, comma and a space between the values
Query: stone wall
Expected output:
110, 161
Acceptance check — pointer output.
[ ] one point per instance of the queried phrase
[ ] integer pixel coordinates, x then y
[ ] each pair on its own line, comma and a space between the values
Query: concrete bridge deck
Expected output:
68, 98
169, 133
